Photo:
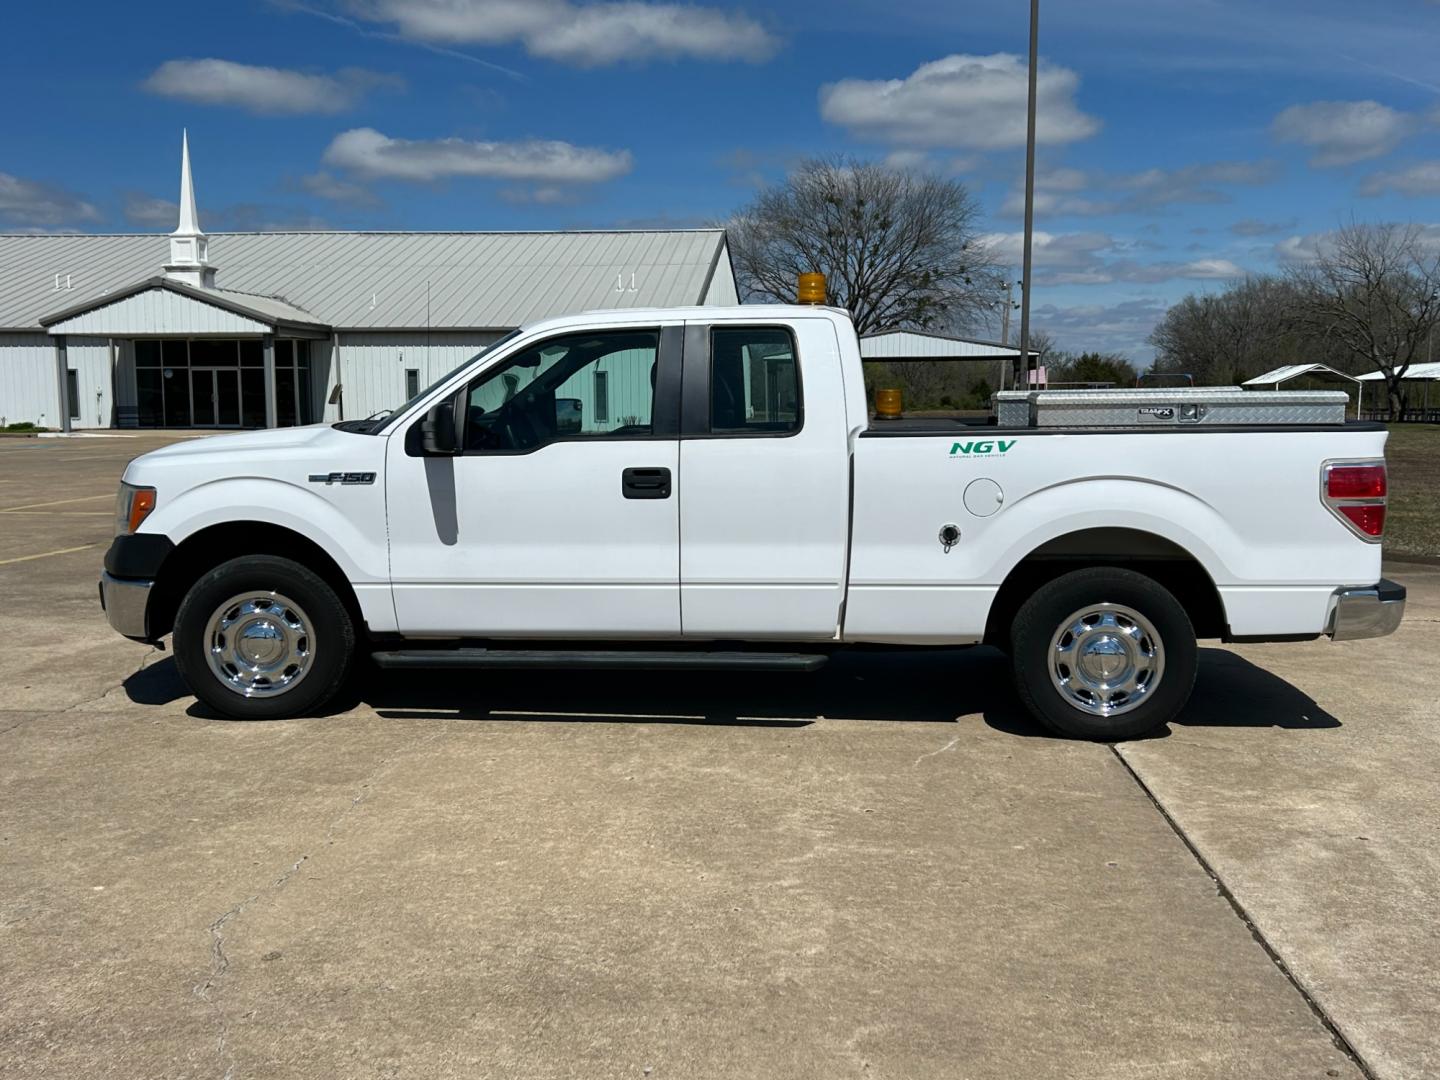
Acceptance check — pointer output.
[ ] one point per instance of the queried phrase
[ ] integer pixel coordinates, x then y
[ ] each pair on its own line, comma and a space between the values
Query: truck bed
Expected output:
929, 426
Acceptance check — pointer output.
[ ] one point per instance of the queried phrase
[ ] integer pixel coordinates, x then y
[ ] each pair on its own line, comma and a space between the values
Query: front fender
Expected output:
348, 522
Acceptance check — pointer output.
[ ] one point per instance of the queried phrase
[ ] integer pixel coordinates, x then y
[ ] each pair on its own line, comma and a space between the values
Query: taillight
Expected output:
1355, 493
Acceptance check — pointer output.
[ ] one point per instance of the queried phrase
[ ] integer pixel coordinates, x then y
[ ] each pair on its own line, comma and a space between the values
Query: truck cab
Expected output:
706, 487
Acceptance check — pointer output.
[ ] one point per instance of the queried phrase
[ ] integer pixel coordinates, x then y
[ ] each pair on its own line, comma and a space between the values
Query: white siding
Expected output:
372, 366
159, 311
27, 380
90, 359
722, 291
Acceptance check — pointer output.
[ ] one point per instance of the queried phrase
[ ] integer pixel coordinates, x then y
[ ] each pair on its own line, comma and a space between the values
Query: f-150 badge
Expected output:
342, 478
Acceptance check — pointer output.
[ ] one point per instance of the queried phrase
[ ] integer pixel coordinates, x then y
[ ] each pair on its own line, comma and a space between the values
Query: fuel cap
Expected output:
983, 497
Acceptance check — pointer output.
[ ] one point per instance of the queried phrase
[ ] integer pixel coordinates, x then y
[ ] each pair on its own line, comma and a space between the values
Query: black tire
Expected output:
330, 637
1044, 615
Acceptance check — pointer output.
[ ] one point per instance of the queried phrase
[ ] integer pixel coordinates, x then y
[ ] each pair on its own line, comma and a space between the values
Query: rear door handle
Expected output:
645, 483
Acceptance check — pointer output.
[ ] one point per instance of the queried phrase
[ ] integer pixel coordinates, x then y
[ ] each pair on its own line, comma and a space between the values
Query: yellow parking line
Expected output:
55, 502
46, 554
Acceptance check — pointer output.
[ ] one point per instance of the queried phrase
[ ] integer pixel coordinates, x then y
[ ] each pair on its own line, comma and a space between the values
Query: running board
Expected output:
597, 660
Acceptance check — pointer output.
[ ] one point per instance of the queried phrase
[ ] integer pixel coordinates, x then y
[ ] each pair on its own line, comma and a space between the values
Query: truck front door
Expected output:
559, 518
765, 480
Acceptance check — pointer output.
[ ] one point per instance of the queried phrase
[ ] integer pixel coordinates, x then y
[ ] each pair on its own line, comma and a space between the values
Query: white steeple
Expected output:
189, 247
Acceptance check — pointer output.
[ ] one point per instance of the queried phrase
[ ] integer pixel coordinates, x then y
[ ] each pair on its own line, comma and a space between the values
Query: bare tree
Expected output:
898, 249
1375, 290
1228, 337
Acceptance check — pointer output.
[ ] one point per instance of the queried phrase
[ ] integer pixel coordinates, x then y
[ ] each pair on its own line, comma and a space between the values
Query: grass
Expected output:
1412, 523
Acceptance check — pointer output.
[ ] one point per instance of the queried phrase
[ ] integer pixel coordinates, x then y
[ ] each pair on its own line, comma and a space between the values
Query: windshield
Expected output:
375, 422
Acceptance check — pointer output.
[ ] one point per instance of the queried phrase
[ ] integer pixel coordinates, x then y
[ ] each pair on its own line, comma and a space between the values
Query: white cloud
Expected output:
1121, 327
1419, 179
1255, 227
543, 195
587, 35
1066, 250
1211, 269
1061, 191
972, 102
1193, 176
329, 186
1097, 258
1343, 132
150, 212
33, 203
265, 90
1305, 247
366, 152
907, 159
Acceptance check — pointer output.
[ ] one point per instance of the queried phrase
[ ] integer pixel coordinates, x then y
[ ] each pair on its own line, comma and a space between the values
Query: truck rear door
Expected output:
764, 483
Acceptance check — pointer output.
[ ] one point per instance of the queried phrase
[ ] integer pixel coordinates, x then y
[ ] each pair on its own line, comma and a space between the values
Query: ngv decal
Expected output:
982, 448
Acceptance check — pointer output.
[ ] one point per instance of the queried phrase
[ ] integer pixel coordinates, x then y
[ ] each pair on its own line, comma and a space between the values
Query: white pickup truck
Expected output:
705, 488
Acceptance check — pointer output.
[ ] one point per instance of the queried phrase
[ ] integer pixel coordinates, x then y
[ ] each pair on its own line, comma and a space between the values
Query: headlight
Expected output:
132, 506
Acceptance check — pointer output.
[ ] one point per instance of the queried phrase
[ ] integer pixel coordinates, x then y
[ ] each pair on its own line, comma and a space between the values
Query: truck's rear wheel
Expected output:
262, 638
1103, 653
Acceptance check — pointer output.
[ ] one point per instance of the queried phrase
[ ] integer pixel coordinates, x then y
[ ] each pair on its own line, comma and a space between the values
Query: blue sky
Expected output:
1181, 143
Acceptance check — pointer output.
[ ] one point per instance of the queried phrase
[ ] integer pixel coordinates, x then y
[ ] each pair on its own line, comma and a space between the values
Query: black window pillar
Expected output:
62, 382
268, 345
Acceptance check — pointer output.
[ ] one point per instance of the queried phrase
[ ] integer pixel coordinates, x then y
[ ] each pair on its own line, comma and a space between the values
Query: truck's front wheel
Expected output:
261, 638
1103, 653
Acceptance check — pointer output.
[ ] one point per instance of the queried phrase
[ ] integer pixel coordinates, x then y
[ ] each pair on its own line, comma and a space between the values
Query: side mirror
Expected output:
438, 431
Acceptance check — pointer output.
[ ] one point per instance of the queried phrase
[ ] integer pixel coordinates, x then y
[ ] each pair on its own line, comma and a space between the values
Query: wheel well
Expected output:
1162, 560
202, 552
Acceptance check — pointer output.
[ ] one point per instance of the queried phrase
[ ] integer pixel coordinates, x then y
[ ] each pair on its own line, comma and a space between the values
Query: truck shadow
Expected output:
928, 686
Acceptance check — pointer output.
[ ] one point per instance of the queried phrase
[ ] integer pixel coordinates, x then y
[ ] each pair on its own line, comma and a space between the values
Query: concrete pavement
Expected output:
882, 870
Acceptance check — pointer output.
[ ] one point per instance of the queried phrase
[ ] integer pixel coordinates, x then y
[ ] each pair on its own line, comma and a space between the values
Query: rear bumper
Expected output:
1370, 612
125, 602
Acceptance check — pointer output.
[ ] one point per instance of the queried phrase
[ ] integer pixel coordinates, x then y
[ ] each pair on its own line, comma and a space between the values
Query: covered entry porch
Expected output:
184, 356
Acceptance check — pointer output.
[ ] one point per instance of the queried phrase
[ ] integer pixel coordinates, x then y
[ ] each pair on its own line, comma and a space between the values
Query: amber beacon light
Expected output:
887, 404
811, 289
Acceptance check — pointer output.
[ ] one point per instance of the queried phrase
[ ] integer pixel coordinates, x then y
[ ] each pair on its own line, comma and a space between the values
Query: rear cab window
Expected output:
754, 381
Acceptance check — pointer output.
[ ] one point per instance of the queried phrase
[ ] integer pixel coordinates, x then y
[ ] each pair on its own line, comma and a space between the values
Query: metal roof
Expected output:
1291, 371
1414, 371
921, 345
265, 309
378, 280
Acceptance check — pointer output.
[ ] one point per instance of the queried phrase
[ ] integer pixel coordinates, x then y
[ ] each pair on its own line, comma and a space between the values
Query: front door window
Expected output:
581, 385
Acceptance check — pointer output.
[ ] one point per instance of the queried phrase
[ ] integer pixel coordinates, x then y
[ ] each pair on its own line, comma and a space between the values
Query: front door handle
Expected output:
645, 483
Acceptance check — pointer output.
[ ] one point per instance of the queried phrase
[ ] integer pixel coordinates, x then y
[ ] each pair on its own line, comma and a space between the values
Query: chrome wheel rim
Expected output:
259, 644
1106, 659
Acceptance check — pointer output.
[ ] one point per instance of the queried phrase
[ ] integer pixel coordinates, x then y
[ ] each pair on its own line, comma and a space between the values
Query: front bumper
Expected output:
1373, 611
125, 601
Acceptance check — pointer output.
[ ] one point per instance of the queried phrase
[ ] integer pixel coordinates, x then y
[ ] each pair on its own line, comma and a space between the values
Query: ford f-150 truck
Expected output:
705, 488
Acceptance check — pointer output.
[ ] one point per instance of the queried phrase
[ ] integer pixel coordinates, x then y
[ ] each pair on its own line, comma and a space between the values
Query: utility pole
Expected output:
1009, 287
1009, 306
1029, 189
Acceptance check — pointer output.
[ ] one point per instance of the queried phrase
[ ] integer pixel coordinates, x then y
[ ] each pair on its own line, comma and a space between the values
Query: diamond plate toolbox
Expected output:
1177, 408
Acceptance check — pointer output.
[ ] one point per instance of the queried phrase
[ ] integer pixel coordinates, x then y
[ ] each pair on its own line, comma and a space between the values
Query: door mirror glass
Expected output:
569, 413
437, 430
